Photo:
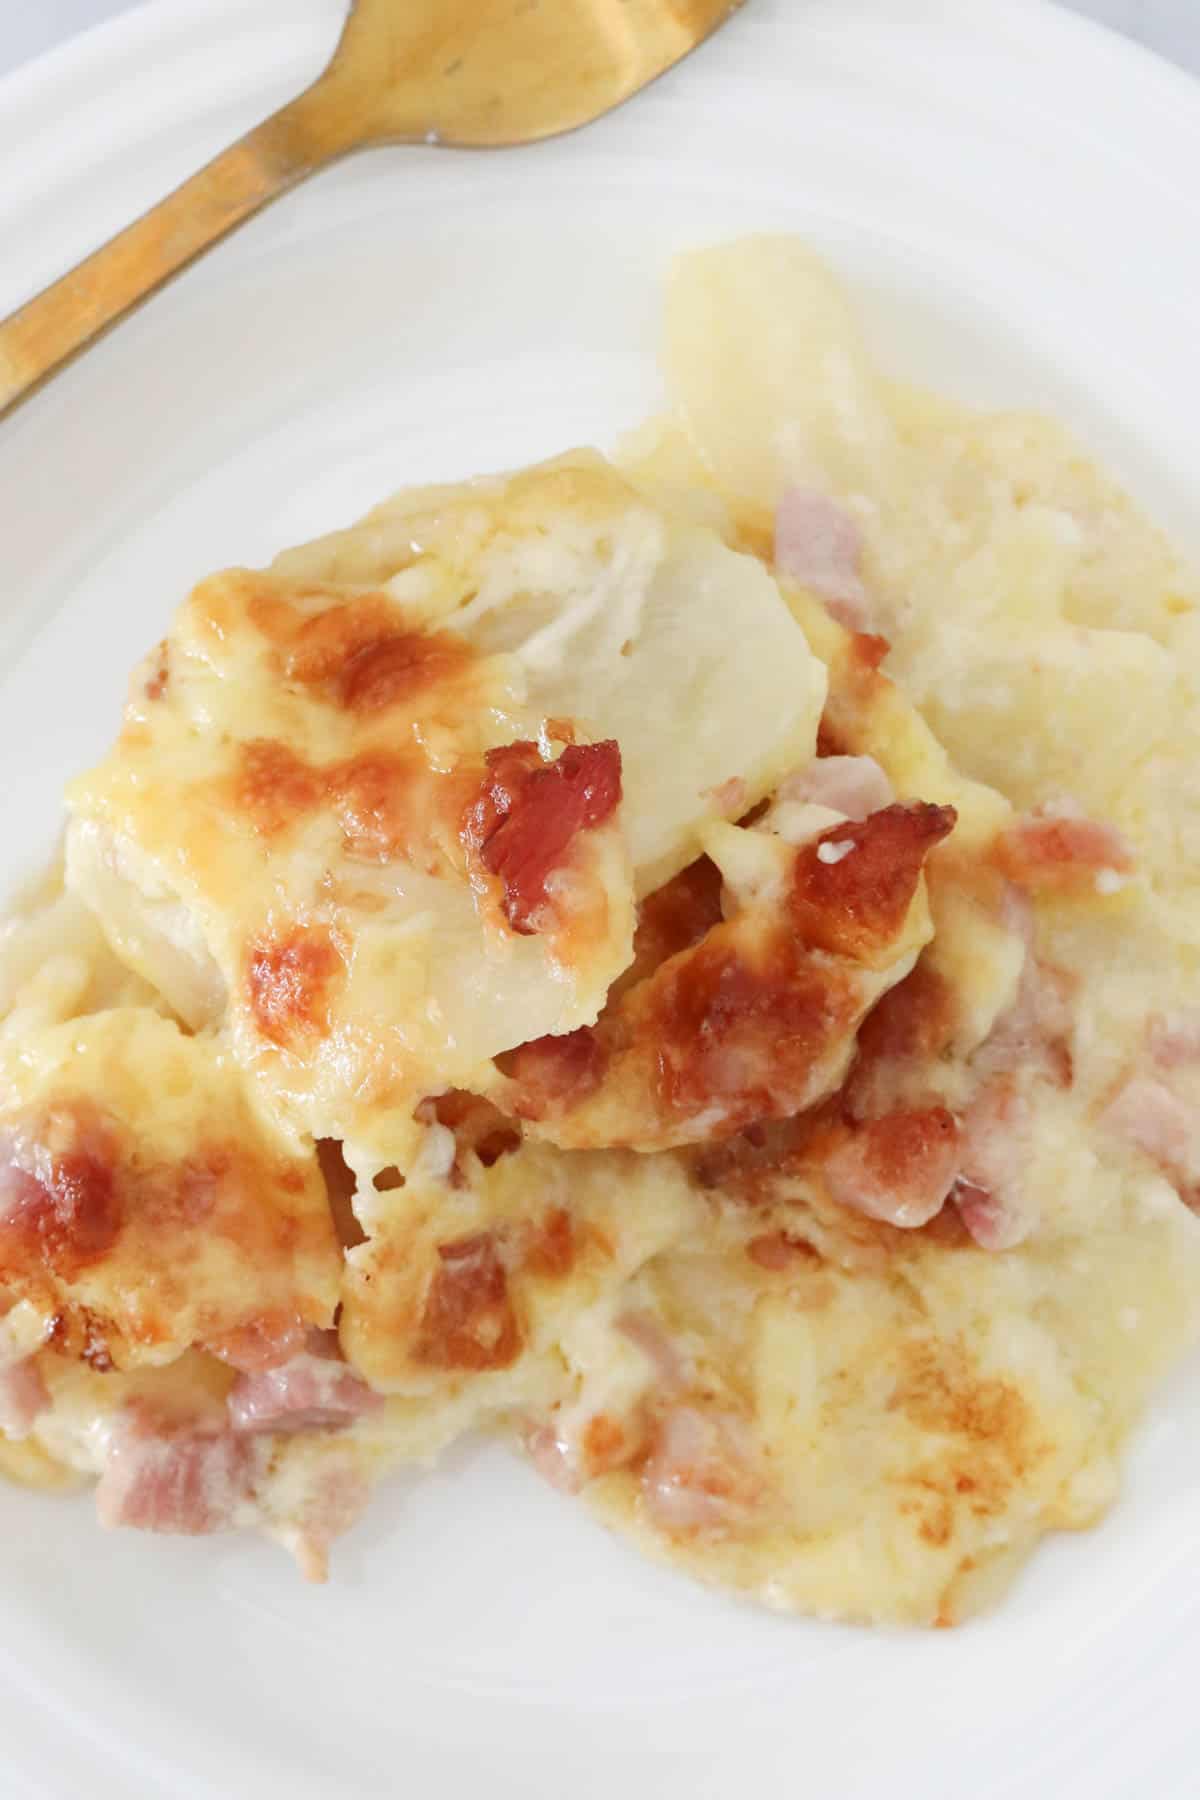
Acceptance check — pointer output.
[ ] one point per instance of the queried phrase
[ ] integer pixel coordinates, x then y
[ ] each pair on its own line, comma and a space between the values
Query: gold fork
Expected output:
477, 73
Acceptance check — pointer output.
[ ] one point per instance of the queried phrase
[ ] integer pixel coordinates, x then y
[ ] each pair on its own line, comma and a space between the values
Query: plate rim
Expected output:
83, 61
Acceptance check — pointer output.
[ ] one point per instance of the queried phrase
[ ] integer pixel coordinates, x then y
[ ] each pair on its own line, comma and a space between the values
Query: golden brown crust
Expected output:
146, 1209
755, 1018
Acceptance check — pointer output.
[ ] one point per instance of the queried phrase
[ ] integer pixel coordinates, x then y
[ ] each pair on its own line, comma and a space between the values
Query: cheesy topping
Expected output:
363, 817
145, 1206
692, 964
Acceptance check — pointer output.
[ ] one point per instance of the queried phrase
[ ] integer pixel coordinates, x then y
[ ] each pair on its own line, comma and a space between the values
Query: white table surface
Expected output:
28, 27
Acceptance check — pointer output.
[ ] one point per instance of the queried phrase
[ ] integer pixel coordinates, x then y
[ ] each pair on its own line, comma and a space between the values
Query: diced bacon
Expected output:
549, 1246
853, 785
1154, 1120
853, 902
468, 1320
898, 1169
569, 1458
608, 1442
529, 814
698, 1475
755, 1020
554, 1457
984, 1216
1173, 1038
23, 1396
308, 1393
59, 1199
642, 1329
818, 544
1064, 855
555, 1071
190, 1479
991, 1193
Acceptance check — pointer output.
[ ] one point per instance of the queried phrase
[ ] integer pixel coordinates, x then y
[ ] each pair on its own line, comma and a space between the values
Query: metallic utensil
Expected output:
477, 73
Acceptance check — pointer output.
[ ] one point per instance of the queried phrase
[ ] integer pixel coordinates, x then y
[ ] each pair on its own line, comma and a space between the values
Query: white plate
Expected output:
1009, 190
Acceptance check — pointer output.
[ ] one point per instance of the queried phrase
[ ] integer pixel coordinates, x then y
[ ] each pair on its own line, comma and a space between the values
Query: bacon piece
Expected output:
851, 902
554, 1457
191, 1479
549, 1249
529, 813
898, 1169
1173, 1038
776, 1173
698, 1476
990, 1194
818, 544
854, 785
23, 1397
569, 1461
867, 651
311, 1392
59, 1203
1154, 1120
754, 1021
727, 1034
606, 1444
468, 1321
1063, 856
509, 767
555, 1073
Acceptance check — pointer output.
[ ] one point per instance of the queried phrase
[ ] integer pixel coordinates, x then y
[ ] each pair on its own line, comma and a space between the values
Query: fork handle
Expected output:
70, 314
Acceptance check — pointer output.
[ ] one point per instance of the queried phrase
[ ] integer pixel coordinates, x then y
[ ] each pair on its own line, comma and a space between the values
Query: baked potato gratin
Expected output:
689, 962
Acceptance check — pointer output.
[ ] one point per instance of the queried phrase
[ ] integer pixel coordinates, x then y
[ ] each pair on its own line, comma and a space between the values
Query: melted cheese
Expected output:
463, 1282
911, 1412
918, 1425
281, 836
764, 1341
625, 616
145, 1204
